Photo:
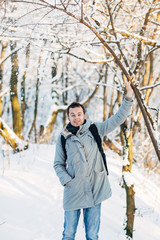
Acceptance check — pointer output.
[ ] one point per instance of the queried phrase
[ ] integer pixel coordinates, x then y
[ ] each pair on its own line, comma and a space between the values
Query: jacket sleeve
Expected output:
60, 163
116, 120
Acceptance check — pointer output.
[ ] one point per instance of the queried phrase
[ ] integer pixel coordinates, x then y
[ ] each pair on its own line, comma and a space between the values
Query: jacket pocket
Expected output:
73, 194
101, 184
99, 176
69, 184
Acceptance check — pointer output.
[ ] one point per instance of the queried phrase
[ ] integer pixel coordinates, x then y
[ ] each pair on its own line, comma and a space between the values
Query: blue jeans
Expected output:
91, 222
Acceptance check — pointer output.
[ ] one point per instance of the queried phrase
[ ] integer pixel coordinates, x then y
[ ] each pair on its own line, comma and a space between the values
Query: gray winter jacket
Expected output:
83, 175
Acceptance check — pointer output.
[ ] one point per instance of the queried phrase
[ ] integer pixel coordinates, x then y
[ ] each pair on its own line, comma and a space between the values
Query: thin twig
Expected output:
148, 87
88, 60
4, 59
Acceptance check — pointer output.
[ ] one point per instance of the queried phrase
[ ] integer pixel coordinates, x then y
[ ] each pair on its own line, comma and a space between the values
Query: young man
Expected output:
83, 173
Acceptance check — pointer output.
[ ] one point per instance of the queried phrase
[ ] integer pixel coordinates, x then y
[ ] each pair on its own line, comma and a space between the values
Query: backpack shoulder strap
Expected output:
63, 142
93, 129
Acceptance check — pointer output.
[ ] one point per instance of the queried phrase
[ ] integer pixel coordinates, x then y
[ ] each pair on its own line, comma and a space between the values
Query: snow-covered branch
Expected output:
145, 40
149, 87
11, 138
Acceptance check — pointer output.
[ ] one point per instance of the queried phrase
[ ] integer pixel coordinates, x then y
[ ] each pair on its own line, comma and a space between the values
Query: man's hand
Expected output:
129, 93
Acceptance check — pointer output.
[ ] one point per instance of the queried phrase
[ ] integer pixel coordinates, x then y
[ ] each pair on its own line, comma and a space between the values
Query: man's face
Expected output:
76, 116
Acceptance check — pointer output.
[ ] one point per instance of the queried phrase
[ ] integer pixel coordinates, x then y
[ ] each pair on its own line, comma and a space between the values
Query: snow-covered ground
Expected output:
31, 199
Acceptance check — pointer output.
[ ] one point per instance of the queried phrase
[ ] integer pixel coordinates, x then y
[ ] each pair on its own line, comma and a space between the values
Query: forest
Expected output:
54, 52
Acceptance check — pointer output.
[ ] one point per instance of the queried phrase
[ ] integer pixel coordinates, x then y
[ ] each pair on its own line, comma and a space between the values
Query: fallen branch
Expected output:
11, 138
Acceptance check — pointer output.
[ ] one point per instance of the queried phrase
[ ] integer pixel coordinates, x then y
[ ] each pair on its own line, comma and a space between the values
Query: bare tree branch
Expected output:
115, 34
88, 60
13, 52
148, 87
41, 19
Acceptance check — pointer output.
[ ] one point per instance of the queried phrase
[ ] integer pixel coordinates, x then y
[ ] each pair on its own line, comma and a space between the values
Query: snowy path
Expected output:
31, 200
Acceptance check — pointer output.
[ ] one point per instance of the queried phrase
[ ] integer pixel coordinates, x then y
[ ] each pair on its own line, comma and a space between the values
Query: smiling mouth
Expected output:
76, 123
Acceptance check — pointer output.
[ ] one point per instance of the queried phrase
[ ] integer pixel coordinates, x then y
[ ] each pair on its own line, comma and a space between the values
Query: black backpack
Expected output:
93, 129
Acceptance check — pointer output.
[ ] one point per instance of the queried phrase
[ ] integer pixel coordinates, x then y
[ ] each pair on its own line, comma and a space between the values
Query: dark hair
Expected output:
75, 104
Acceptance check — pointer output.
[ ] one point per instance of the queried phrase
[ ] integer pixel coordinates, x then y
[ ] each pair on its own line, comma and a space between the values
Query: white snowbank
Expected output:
31, 200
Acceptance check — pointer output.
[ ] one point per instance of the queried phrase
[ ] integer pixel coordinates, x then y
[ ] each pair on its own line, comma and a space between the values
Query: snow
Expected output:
128, 178
31, 199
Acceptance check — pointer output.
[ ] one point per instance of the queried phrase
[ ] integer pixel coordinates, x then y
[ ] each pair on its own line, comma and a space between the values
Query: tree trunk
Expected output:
16, 114
3, 51
130, 211
65, 84
23, 98
45, 135
35, 105
111, 101
105, 95
127, 167
147, 81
